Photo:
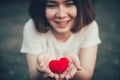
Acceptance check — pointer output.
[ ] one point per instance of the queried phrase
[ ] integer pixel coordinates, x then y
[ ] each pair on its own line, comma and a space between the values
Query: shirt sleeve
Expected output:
32, 42
91, 36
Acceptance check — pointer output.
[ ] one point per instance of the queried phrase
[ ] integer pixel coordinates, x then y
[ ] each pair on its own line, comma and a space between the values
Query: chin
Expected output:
63, 31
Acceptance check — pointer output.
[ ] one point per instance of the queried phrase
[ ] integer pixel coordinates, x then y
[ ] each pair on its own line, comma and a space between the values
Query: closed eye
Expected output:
51, 4
69, 3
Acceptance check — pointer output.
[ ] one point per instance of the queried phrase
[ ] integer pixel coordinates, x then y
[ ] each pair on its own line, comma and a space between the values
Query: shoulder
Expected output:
88, 30
31, 32
92, 26
29, 28
93, 23
29, 25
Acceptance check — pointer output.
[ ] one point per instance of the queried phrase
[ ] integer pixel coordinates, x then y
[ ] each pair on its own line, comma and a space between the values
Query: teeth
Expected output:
62, 22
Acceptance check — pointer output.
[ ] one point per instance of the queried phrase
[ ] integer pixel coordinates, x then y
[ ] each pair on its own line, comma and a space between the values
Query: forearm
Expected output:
87, 58
32, 70
83, 74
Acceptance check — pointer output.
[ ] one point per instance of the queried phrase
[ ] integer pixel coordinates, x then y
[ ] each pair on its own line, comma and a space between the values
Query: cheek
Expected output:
50, 14
73, 12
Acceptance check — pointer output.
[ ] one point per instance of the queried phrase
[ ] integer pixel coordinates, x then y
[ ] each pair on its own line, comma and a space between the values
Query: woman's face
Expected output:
61, 15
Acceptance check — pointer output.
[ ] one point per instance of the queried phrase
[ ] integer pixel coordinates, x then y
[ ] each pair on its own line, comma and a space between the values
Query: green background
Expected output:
13, 16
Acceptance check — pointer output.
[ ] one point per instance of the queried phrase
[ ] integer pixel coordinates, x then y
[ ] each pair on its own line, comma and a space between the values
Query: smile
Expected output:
62, 24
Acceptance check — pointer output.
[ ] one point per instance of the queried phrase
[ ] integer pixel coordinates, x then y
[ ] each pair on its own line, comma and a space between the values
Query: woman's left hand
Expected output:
74, 66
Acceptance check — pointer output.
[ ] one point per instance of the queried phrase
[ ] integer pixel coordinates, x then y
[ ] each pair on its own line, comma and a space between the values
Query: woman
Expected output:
61, 28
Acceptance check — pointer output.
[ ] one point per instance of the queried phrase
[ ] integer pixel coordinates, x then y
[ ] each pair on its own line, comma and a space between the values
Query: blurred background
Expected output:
13, 16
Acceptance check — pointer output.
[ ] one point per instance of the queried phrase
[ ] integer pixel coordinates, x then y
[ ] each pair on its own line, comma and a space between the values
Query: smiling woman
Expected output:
60, 17
57, 29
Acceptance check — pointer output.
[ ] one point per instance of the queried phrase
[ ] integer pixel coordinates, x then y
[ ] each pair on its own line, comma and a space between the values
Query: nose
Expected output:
62, 12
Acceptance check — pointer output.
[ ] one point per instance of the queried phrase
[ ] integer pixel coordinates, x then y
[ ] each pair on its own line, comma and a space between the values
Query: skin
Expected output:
61, 15
84, 71
61, 18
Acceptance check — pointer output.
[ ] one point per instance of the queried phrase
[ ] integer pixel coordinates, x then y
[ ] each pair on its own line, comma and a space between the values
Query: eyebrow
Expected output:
68, 0
53, 1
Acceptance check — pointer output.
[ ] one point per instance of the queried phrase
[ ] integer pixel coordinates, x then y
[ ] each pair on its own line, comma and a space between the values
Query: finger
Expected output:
51, 74
41, 60
45, 75
41, 69
47, 70
44, 66
69, 71
56, 76
72, 72
60, 76
63, 75
44, 69
73, 59
76, 62
48, 75
67, 77
41, 65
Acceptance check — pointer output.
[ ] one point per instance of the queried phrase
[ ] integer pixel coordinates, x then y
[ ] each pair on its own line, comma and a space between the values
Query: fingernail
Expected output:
79, 68
41, 65
52, 75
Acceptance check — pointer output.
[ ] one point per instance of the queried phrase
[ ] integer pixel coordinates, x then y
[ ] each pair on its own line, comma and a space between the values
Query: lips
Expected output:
62, 24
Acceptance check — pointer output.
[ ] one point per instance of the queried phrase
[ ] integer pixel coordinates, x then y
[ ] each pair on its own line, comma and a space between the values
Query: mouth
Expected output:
62, 24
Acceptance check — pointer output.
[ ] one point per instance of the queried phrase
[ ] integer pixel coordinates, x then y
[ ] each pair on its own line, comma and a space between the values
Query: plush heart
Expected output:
59, 66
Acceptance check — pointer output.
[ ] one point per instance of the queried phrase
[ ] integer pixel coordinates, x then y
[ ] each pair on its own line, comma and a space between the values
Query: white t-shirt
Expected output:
35, 42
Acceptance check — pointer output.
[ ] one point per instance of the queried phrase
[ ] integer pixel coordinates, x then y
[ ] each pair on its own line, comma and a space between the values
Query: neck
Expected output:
62, 37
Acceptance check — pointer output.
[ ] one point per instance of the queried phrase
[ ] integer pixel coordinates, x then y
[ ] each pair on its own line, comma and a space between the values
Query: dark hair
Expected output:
85, 14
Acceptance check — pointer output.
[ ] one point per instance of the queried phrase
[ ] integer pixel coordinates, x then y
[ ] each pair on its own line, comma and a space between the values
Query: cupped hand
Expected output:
42, 64
74, 66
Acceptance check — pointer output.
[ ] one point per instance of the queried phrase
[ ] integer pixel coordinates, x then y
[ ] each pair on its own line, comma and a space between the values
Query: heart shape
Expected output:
59, 66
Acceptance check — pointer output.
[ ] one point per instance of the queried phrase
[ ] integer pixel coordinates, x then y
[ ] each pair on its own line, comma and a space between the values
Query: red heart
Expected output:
59, 66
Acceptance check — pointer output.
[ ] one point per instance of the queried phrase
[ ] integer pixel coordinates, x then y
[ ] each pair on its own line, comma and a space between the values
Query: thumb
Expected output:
76, 62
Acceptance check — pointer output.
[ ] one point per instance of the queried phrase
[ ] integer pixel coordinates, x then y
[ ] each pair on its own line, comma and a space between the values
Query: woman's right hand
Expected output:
43, 64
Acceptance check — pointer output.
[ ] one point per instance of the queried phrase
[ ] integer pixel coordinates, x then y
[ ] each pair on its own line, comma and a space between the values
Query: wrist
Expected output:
83, 74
